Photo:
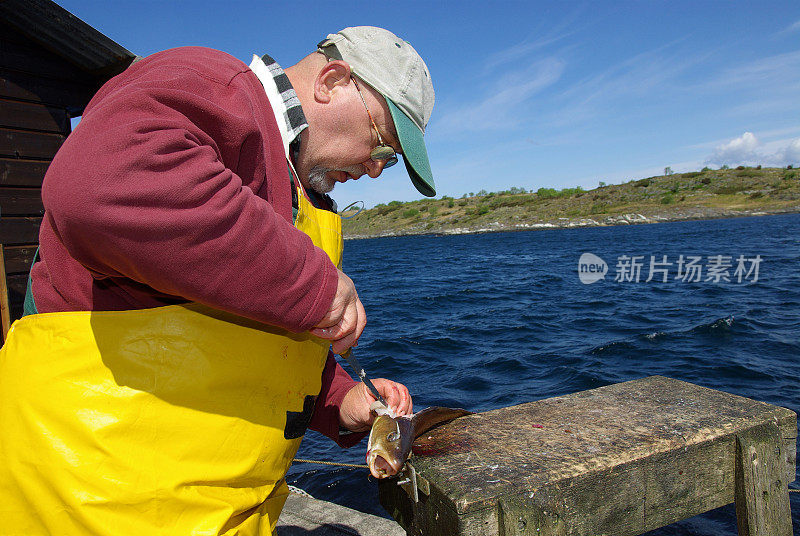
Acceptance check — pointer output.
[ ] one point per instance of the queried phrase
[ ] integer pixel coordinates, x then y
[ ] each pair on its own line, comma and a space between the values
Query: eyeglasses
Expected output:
382, 153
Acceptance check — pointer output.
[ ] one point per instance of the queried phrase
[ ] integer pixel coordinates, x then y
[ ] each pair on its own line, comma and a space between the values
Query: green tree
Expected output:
547, 192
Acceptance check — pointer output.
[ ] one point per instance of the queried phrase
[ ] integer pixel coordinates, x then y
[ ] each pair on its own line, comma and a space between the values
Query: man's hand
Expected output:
346, 318
354, 413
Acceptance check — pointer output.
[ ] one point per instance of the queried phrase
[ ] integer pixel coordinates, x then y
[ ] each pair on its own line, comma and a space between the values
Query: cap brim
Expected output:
415, 155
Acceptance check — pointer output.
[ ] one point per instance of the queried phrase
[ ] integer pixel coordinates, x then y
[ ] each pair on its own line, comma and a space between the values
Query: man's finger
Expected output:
396, 395
344, 343
350, 336
352, 321
346, 334
362, 318
408, 406
344, 299
331, 333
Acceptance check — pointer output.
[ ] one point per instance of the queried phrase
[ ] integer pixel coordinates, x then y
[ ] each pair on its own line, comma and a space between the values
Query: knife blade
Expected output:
348, 356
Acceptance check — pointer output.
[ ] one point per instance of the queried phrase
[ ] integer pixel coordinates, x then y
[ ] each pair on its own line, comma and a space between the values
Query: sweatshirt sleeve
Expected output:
144, 189
336, 382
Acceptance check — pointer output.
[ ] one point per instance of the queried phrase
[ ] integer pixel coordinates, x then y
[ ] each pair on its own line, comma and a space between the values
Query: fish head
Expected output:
385, 449
391, 437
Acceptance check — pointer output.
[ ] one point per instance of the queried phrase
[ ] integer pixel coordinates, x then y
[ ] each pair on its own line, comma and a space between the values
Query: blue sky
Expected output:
537, 94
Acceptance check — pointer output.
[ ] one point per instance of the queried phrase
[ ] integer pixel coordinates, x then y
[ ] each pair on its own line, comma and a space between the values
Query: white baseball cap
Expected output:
394, 69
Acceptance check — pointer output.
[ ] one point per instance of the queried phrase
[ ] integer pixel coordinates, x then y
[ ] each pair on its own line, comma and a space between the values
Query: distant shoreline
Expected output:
697, 195
700, 214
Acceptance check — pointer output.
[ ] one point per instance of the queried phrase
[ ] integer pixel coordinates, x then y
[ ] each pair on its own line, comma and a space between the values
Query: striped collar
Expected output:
290, 118
282, 97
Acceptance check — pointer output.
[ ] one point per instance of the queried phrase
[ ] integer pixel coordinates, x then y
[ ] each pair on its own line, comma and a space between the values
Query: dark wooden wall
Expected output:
39, 92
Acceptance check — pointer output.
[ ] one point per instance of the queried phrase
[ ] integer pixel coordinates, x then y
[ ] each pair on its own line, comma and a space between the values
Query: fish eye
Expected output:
392, 436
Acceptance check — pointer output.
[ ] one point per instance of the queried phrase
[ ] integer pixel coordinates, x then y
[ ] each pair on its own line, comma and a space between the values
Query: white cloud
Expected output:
640, 84
748, 150
551, 29
778, 132
741, 149
778, 71
516, 52
792, 28
791, 153
499, 108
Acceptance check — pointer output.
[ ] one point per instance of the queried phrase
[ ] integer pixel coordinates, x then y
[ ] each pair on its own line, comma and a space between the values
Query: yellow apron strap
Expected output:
323, 226
166, 421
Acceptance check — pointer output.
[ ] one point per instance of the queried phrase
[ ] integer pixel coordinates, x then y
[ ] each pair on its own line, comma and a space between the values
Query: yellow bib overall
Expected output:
173, 421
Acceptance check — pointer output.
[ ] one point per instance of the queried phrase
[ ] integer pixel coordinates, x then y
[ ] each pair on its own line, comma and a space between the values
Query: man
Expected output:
188, 289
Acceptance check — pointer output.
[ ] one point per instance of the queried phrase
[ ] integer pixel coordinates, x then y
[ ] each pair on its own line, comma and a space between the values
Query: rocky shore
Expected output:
697, 195
695, 213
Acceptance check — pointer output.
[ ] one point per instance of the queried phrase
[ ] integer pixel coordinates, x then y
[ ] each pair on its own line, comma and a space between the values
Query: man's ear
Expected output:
334, 74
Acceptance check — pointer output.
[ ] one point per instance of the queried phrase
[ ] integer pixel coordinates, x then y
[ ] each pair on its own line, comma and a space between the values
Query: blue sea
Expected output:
485, 321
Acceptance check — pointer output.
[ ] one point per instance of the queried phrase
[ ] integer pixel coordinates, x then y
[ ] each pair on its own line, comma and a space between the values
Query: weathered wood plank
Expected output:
5, 313
599, 428
687, 482
623, 460
27, 56
21, 202
17, 231
438, 512
54, 28
623, 501
17, 285
25, 86
22, 144
762, 494
18, 259
33, 116
19, 172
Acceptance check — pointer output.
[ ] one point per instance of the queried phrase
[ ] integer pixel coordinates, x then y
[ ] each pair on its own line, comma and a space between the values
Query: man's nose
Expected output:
374, 167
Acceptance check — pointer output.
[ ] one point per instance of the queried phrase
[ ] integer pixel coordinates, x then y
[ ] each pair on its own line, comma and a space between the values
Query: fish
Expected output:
391, 436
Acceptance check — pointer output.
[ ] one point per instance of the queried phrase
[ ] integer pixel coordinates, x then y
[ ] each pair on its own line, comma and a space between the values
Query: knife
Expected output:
348, 356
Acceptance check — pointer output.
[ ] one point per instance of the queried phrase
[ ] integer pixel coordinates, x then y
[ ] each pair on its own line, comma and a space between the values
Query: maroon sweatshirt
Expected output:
174, 187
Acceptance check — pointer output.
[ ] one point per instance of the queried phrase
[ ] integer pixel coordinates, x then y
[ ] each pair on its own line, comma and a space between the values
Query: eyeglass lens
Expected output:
385, 154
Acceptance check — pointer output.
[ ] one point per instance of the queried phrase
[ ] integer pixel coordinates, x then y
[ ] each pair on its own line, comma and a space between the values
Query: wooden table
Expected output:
619, 460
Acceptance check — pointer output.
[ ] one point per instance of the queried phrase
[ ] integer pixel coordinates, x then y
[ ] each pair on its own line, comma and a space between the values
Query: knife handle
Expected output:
348, 356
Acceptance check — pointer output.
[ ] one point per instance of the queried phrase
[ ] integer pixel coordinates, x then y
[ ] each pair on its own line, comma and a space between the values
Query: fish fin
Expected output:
431, 417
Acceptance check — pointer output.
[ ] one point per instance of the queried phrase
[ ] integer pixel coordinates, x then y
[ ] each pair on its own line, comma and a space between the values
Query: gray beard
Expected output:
318, 182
